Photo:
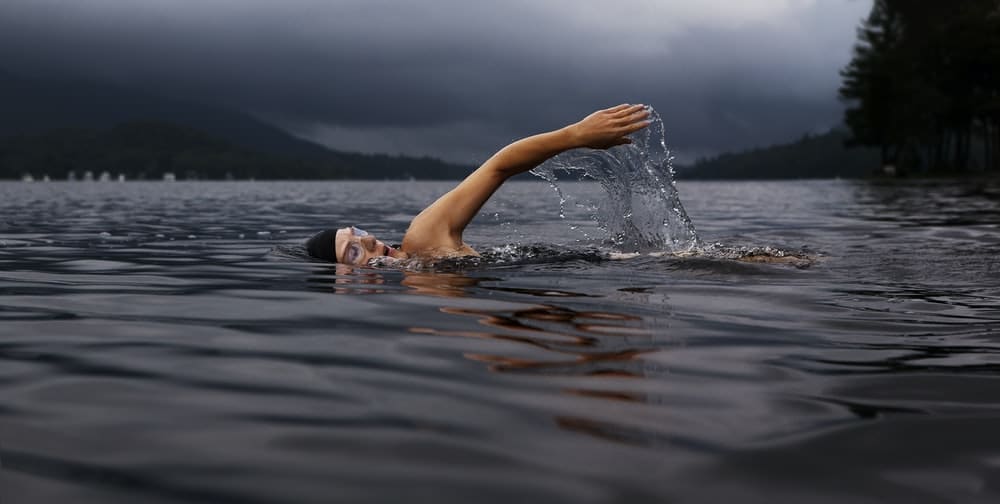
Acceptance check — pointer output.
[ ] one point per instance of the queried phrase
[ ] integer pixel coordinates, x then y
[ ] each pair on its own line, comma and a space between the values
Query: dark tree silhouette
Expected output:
923, 84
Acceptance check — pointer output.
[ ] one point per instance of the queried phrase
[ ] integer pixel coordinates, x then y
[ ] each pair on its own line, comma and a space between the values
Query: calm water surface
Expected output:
169, 343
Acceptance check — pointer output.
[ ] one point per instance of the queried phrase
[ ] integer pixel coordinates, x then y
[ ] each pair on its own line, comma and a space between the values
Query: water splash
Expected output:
641, 210
802, 258
515, 254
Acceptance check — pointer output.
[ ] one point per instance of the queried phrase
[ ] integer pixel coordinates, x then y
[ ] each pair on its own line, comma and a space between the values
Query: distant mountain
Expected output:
32, 106
33, 109
812, 156
149, 150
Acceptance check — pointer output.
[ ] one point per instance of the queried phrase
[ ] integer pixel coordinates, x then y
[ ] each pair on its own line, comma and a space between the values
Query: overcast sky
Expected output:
458, 79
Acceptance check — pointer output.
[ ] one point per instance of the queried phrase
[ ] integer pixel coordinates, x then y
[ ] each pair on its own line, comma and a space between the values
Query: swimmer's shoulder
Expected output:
432, 238
418, 250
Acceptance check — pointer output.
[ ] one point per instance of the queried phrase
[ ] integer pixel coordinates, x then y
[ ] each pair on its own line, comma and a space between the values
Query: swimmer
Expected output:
436, 232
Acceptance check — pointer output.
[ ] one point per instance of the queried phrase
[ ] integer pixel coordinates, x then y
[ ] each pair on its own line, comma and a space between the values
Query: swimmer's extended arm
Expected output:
439, 227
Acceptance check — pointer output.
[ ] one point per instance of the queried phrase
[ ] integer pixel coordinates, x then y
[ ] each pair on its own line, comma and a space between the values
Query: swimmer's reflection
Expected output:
557, 340
440, 284
574, 342
349, 279
548, 339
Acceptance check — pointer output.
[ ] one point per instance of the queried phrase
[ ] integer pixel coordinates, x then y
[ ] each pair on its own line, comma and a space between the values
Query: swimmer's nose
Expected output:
369, 243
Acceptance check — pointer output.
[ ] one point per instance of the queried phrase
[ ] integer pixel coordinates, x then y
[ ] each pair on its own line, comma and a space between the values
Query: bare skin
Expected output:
437, 230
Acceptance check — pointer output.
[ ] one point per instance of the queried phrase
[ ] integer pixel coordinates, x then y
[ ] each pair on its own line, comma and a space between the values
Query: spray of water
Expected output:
640, 210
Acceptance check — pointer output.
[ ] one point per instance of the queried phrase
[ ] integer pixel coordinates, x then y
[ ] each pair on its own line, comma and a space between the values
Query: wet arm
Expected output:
441, 224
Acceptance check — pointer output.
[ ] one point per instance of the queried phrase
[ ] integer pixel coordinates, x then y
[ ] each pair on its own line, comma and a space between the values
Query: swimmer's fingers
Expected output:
625, 111
617, 108
633, 116
633, 124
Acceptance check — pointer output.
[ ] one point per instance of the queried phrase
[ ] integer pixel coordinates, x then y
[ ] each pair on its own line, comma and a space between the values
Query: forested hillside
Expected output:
149, 149
812, 156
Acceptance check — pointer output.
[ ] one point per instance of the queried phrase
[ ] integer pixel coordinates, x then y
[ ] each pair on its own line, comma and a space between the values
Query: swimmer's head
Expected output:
348, 245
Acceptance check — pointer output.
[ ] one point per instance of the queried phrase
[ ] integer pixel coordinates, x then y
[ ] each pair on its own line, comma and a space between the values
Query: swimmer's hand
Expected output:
609, 127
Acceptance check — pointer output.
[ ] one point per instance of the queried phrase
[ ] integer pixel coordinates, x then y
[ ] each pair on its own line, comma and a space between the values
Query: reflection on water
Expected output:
348, 279
440, 284
546, 340
553, 340
923, 203
575, 343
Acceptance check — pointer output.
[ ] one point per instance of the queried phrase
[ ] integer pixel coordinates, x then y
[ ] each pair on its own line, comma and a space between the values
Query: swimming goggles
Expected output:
353, 252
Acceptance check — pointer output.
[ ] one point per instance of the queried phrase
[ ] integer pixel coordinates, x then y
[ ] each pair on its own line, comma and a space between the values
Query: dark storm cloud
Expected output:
456, 78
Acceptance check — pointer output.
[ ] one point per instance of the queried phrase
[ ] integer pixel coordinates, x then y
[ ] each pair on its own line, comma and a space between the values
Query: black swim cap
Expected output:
321, 245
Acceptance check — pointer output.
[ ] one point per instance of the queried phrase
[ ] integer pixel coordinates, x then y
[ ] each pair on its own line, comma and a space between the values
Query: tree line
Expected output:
923, 86
811, 156
150, 149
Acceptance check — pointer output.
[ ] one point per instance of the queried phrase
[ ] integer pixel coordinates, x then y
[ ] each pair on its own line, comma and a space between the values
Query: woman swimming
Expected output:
437, 230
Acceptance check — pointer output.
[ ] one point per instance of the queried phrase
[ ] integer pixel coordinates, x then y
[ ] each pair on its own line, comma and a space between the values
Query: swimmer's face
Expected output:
355, 246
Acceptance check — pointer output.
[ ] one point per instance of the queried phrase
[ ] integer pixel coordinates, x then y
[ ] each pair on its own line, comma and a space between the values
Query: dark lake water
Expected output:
169, 343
